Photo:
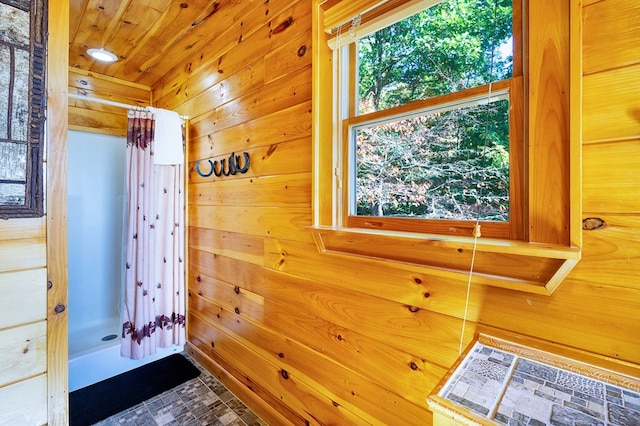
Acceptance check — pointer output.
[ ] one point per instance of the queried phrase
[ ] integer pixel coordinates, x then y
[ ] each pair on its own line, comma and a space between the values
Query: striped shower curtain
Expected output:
154, 287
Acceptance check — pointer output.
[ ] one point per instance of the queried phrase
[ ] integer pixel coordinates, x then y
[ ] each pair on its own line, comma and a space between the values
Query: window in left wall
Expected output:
22, 101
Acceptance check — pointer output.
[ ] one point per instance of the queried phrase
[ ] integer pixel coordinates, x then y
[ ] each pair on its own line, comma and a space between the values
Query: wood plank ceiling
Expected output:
149, 36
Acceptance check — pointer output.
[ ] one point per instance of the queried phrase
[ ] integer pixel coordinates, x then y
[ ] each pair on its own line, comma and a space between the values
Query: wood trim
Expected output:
373, 18
548, 142
56, 190
575, 126
551, 206
514, 229
546, 264
322, 106
344, 11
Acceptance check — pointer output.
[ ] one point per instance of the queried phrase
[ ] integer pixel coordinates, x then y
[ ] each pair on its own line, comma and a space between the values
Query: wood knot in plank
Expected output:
283, 26
592, 223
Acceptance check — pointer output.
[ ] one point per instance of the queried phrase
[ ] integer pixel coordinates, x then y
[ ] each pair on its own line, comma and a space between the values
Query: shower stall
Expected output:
96, 217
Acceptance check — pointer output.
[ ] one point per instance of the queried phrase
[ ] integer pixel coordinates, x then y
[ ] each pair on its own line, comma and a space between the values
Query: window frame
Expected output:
33, 181
551, 219
511, 229
345, 63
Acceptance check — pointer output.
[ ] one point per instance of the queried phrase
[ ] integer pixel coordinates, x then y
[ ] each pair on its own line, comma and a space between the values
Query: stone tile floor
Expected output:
200, 401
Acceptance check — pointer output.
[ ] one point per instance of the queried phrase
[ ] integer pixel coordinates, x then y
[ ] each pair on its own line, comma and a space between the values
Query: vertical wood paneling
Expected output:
56, 208
548, 85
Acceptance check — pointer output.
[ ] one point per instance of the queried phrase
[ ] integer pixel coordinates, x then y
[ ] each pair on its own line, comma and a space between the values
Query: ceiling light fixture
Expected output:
102, 55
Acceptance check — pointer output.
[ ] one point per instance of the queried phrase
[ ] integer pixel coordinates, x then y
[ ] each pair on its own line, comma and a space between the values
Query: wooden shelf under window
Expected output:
518, 265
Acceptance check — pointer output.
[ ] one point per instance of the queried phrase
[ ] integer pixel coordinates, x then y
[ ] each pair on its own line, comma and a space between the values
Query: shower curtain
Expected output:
154, 288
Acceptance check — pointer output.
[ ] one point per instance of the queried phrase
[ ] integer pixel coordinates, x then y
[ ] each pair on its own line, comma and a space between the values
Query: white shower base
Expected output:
92, 360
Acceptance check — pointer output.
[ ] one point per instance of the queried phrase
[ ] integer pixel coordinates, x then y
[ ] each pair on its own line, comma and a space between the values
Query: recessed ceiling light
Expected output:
102, 55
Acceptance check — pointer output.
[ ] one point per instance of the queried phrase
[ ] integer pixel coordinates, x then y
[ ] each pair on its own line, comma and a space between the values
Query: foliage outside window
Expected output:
22, 97
429, 135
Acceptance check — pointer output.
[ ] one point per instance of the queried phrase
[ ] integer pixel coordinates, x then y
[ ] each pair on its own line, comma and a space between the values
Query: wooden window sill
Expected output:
518, 265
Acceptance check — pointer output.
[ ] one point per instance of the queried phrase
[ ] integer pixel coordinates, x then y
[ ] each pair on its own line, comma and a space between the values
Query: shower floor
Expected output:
90, 338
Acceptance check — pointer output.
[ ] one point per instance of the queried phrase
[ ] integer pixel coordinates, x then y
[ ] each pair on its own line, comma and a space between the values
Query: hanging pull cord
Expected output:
476, 228
476, 235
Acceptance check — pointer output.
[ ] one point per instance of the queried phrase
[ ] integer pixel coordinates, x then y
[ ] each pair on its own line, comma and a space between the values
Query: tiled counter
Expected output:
512, 385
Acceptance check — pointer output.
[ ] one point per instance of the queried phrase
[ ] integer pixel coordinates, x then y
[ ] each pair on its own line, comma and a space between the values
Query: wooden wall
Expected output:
95, 117
322, 339
33, 343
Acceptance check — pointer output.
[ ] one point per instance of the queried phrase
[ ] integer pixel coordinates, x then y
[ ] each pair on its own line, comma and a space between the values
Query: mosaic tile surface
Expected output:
198, 402
515, 391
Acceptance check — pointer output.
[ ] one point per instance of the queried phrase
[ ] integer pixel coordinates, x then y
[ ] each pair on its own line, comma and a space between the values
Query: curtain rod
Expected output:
112, 103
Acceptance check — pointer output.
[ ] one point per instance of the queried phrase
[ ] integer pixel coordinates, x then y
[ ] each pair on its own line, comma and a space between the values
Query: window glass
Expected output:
454, 45
448, 161
451, 164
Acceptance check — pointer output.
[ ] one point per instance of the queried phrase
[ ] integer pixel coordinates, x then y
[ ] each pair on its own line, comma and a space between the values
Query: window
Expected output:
427, 101
22, 96
488, 131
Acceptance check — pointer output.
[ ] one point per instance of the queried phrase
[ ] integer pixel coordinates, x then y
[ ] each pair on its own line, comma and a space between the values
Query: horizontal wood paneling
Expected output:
399, 324
97, 121
269, 409
268, 374
280, 222
611, 35
16, 255
24, 403
277, 158
284, 125
18, 287
611, 253
271, 98
361, 354
292, 190
264, 301
610, 104
243, 247
23, 351
611, 179
287, 59
83, 82
88, 116
16, 229
312, 367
